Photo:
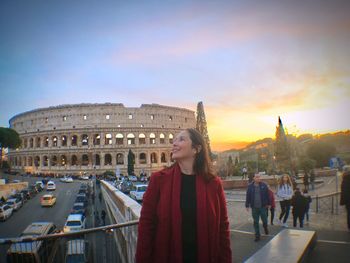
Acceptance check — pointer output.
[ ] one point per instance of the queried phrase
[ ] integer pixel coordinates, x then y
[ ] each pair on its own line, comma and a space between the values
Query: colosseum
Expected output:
94, 138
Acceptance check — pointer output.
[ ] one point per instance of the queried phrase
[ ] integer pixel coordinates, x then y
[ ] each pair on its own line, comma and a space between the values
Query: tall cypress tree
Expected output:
131, 162
282, 151
201, 126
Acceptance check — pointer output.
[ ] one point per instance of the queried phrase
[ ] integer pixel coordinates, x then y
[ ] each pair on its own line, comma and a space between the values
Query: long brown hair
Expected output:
289, 181
202, 164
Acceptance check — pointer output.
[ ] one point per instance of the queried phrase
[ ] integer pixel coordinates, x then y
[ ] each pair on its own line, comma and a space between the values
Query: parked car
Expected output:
81, 198
84, 186
51, 186
36, 251
78, 208
84, 191
5, 212
138, 191
20, 196
133, 178
84, 177
75, 222
15, 203
48, 200
78, 251
126, 186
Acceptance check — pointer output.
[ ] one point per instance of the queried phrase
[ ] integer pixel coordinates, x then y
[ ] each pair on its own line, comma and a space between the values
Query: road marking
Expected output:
331, 181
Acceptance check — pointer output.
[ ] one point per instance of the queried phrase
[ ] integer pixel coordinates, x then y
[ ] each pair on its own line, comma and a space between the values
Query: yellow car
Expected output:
48, 200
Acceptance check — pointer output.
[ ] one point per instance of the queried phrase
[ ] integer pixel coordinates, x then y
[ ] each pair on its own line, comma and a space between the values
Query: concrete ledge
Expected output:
288, 246
122, 208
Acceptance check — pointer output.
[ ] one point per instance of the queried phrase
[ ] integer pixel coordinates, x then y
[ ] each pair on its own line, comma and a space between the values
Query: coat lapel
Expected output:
202, 220
176, 216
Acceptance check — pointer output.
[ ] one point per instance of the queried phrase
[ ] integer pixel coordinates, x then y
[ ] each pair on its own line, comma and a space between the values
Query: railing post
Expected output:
332, 204
316, 203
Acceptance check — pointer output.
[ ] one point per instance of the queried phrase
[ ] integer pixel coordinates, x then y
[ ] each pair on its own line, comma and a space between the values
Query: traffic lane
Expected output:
32, 210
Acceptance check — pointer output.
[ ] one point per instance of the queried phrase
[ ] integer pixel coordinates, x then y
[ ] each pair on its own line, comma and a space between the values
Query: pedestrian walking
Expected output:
257, 198
100, 196
312, 179
93, 197
103, 216
244, 173
306, 181
97, 219
273, 205
284, 193
189, 190
299, 203
345, 195
250, 177
309, 200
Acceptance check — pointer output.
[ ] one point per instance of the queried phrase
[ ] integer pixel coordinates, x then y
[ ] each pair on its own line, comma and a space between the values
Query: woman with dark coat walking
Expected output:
345, 195
184, 215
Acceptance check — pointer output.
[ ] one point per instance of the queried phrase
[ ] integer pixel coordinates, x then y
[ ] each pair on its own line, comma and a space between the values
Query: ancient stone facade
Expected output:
93, 138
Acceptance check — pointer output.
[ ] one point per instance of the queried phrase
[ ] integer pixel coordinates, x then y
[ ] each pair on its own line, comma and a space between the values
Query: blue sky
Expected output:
248, 61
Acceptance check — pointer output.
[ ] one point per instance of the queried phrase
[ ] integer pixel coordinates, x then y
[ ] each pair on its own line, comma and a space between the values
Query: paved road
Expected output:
32, 210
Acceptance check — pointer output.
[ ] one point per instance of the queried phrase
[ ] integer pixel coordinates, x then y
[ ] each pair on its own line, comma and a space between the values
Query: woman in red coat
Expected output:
184, 215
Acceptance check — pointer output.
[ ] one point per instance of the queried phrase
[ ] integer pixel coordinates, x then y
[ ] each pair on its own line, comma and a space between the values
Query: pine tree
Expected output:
282, 152
202, 126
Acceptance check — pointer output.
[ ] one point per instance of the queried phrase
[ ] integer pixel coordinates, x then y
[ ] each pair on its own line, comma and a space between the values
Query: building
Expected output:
94, 138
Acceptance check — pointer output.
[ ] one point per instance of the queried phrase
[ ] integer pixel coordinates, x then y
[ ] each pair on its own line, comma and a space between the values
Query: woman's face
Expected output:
285, 179
182, 147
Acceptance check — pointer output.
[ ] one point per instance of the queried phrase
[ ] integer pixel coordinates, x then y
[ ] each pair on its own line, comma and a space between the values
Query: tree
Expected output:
229, 166
306, 164
131, 162
282, 152
201, 127
9, 138
321, 152
236, 161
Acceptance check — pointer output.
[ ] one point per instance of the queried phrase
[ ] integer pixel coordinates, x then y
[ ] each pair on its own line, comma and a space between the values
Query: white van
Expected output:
75, 222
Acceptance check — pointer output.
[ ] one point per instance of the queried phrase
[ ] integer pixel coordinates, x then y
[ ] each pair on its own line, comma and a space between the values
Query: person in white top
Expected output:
285, 193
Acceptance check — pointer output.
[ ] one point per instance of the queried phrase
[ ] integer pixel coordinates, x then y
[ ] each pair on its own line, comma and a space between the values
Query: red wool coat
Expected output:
160, 231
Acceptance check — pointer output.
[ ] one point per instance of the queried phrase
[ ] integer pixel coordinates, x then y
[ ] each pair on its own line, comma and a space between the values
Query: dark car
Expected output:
78, 208
126, 186
81, 198
82, 191
19, 196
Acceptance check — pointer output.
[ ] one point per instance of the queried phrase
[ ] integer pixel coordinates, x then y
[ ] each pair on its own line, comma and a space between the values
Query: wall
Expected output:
7, 189
121, 208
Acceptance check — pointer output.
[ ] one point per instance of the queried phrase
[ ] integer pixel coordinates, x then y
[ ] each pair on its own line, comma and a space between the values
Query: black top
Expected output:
189, 218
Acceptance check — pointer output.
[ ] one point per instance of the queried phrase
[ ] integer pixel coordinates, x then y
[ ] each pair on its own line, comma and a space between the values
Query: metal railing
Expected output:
90, 245
327, 203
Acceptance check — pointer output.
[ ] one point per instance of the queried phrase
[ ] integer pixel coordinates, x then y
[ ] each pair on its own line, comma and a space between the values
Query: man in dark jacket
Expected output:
345, 195
258, 199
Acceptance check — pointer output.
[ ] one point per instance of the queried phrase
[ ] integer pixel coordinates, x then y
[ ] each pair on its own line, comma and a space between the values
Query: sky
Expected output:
248, 61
